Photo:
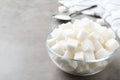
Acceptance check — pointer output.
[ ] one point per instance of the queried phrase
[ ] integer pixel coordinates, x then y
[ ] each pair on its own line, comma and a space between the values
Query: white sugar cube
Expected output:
98, 27
59, 48
89, 55
112, 33
82, 35
94, 36
62, 9
72, 44
102, 53
68, 65
87, 45
57, 34
97, 45
68, 25
96, 65
51, 42
82, 67
65, 64
101, 29
68, 54
80, 22
79, 56
73, 64
69, 33
77, 25
112, 44
108, 34
89, 26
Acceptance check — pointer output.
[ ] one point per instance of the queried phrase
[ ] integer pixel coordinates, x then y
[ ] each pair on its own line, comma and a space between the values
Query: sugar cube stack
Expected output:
83, 40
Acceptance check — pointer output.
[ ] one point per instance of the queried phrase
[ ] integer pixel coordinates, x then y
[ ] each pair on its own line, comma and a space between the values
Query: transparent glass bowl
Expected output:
77, 67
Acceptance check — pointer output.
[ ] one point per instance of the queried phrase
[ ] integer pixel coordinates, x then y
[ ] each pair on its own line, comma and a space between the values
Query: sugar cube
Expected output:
87, 45
62, 9
108, 34
68, 65
89, 26
69, 33
102, 53
68, 25
97, 45
112, 44
79, 56
94, 36
57, 34
51, 42
59, 48
82, 35
72, 44
68, 54
89, 55
82, 67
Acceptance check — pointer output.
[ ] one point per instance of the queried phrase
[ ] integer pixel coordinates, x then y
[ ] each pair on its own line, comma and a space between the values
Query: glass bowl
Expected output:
78, 67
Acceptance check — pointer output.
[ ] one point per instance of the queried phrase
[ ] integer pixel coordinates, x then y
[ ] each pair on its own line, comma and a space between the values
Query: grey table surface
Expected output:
24, 25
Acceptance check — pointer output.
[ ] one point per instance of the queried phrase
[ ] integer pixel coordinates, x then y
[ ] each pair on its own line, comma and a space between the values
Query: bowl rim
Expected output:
97, 60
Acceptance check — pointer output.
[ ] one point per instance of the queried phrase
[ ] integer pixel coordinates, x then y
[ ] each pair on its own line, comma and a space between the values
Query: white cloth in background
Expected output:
109, 10
79, 4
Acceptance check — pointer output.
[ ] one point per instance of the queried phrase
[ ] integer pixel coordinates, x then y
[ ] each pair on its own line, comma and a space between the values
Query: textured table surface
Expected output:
24, 25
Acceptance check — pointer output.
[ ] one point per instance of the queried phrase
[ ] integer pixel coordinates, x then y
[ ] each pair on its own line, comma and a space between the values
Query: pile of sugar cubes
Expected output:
83, 39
